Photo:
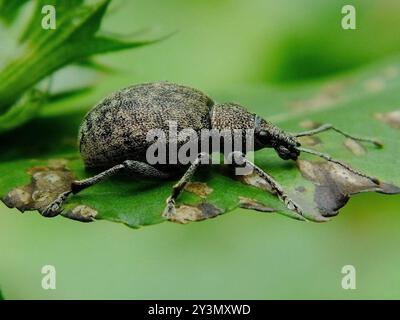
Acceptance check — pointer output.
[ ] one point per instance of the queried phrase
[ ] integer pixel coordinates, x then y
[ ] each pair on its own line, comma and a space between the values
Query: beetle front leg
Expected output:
170, 211
240, 159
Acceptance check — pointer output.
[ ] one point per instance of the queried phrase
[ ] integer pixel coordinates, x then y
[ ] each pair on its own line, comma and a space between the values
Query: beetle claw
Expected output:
55, 207
52, 210
293, 206
170, 210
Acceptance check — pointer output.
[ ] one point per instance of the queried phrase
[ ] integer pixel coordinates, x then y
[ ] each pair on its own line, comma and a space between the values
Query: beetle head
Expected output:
269, 136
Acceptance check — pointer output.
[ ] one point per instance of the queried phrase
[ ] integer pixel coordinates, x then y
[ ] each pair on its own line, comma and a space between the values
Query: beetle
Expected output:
112, 137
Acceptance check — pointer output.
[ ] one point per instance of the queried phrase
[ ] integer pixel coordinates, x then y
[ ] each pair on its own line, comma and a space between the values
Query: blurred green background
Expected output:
220, 45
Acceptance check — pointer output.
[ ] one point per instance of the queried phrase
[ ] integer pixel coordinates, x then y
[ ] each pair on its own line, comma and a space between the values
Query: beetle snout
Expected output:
294, 154
287, 153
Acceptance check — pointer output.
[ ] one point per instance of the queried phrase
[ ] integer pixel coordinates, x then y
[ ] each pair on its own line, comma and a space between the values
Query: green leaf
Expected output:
48, 50
67, 94
10, 9
22, 111
1, 296
94, 65
364, 104
43, 52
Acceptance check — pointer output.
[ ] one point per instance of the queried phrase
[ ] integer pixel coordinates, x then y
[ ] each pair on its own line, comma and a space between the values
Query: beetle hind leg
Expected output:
54, 208
141, 168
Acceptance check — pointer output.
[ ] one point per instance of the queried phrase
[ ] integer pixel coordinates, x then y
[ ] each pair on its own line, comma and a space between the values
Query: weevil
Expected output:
112, 137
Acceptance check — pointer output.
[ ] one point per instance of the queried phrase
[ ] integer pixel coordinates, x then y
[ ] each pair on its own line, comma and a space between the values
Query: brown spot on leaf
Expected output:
301, 189
52, 164
199, 188
309, 140
391, 118
189, 213
328, 94
57, 163
355, 147
391, 72
18, 197
310, 124
247, 203
47, 182
81, 213
374, 85
254, 180
334, 185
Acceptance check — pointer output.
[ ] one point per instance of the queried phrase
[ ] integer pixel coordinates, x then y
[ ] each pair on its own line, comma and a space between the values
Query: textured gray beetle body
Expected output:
115, 129
113, 137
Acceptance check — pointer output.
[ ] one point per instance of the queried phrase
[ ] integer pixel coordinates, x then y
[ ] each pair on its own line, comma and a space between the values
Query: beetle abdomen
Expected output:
115, 129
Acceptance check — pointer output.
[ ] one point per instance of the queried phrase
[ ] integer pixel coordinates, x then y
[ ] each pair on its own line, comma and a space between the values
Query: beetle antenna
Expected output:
326, 127
330, 159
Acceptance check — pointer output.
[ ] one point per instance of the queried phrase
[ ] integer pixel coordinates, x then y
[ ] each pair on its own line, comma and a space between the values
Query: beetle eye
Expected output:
265, 138
283, 152
264, 135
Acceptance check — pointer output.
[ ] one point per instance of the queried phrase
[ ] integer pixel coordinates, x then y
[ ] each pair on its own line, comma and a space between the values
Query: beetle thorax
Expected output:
231, 116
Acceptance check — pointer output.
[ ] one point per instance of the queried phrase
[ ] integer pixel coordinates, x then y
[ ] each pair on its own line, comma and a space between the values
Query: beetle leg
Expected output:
141, 168
276, 187
177, 189
330, 159
327, 126
54, 208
